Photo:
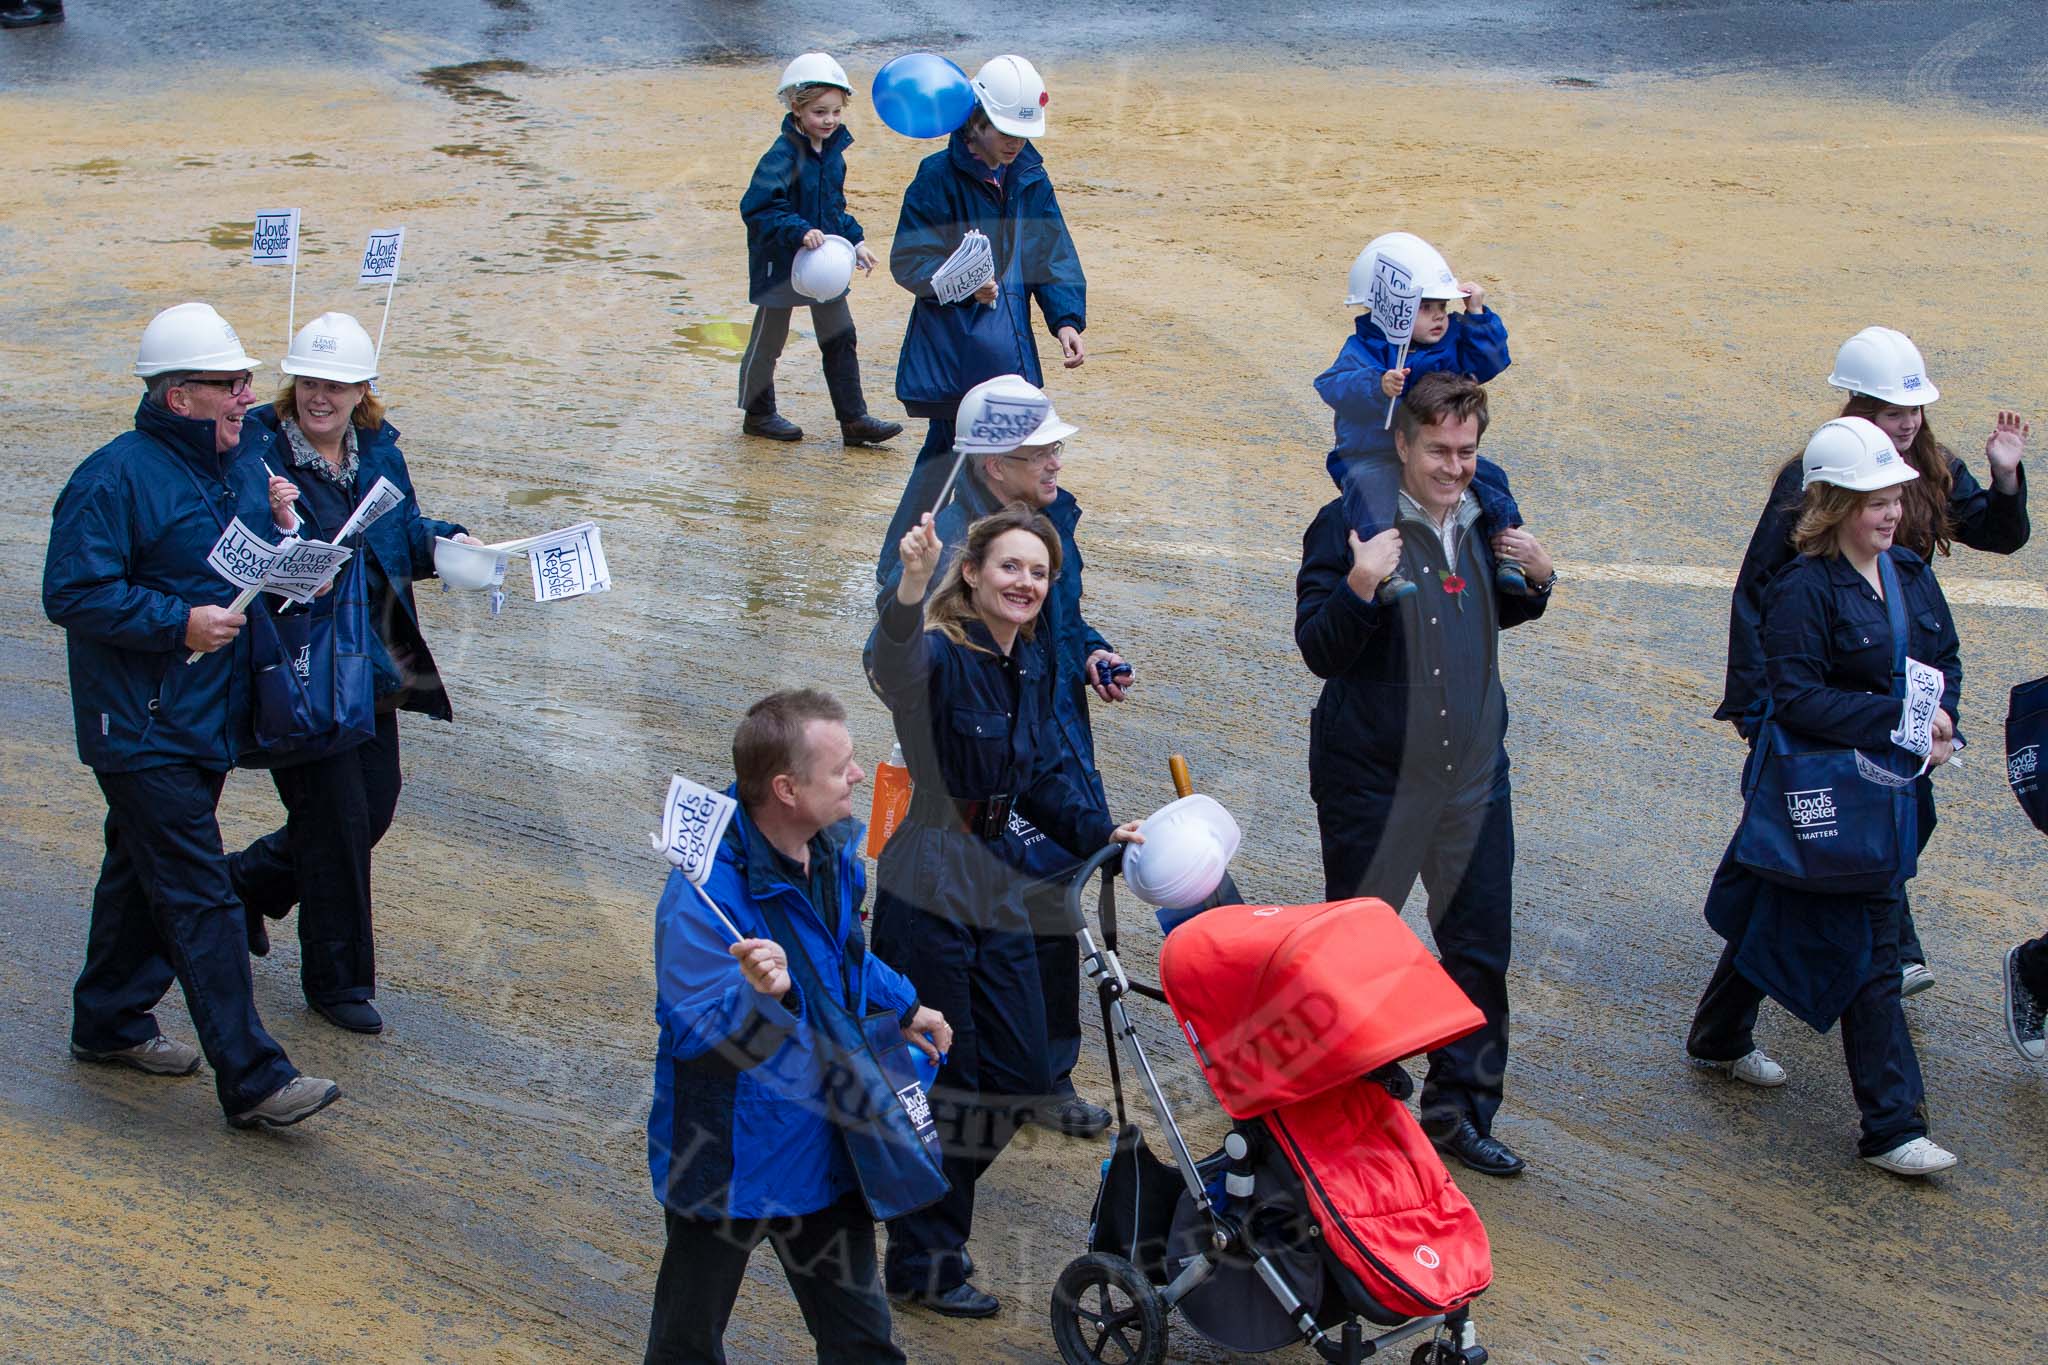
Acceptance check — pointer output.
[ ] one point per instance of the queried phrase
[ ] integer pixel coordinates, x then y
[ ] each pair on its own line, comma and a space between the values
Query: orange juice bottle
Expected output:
892, 801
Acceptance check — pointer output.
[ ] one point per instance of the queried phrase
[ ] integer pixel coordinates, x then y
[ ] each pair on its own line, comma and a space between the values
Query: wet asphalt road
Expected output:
1974, 52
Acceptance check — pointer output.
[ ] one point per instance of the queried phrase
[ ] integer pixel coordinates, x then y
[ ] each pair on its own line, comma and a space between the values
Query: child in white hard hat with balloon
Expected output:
1372, 371
802, 249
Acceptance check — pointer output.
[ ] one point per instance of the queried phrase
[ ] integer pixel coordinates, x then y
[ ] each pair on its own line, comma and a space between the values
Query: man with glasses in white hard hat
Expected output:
1010, 443
991, 179
127, 576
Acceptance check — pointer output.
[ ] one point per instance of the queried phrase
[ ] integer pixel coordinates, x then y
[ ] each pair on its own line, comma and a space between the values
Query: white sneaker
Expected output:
1914, 978
1914, 1157
1754, 1069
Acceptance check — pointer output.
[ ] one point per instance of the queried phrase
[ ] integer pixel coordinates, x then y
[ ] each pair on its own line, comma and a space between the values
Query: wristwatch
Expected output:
1544, 591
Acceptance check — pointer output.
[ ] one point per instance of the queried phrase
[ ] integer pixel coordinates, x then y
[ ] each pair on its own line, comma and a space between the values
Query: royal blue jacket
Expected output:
1827, 640
736, 1129
1474, 345
1063, 636
126, 564
398, 548
794, 189
1982, 518
949, 348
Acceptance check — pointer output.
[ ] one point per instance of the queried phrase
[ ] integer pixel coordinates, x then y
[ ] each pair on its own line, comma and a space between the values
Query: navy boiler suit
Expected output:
975, 732
1982, 518
1408, 770
127, 561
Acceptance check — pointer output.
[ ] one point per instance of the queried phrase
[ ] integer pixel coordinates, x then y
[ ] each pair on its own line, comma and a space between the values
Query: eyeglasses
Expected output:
1041, 455
236, 387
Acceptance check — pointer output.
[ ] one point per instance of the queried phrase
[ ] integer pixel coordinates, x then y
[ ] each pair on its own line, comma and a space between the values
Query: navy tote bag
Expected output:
2026, 731
1827, 820
315, 684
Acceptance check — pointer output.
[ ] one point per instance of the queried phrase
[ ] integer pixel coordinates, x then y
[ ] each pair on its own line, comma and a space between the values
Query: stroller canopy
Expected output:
1282, 1002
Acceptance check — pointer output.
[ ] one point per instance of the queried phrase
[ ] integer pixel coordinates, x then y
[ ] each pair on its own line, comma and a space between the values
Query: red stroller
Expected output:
1326, 1217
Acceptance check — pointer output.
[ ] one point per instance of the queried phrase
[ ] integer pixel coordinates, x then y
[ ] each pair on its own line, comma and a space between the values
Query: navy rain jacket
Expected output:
1828, 656
1983, 518
1477, 346
399, 547
126, 564
736, 1129
949, 348
794, 189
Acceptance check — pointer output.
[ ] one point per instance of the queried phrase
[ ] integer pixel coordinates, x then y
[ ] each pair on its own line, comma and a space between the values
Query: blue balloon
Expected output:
921, 94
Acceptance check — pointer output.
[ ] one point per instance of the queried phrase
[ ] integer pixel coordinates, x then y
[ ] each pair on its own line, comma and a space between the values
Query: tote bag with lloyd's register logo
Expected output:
1831, 821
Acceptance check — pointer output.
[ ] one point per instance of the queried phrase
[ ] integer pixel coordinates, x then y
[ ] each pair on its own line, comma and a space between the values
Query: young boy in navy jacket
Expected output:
1364, 382
796, 199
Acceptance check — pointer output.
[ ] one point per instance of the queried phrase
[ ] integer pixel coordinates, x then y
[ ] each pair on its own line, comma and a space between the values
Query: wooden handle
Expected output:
1183, 784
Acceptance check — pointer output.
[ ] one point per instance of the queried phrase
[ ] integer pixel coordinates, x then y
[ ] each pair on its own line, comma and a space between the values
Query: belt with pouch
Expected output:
987, 818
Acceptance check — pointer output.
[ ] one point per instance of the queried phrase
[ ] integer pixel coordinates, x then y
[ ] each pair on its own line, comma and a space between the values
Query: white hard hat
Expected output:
1854, 453
1424, 264
332, 346
1188, 845
1013, 95
823, 272
1884, 364
190, 336
468, 566
813, 68
1000, 414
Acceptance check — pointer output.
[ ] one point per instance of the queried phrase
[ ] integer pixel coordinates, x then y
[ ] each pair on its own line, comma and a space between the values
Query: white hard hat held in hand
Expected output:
1013, 95
1000, 414
813, 68
823, 272
190, 336
468, 566
332, 346
1423, 264
1188, 847
1853, 453
1885, 365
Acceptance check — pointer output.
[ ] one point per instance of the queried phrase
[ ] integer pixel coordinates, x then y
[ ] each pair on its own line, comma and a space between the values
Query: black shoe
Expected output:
36, 12
1395, 588
774, 426
866, 430
2023, 1013
1510, 577
1074, 1117
357, 1016
1394, 1079
1484, 1154
963, 1300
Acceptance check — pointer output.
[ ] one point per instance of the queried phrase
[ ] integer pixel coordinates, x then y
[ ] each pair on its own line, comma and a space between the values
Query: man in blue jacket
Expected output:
1406, 759
1005, 463
740, 1143
989, 178
126, 575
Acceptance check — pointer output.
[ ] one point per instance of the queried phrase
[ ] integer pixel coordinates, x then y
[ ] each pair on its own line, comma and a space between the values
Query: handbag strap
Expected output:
1895, 608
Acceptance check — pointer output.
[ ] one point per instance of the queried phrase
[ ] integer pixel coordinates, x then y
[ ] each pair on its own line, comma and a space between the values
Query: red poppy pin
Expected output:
1454, 584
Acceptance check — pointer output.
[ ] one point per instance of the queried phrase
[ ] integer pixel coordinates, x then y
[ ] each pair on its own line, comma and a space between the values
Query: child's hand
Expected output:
1393, 381
863, 259
1475, 296
986, 294
814, 239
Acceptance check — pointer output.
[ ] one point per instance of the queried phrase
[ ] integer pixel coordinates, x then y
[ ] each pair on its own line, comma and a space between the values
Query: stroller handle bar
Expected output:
1108, 861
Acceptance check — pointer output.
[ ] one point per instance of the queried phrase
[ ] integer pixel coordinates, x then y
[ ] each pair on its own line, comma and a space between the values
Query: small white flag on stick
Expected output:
297, 569
971, 266
568, 563
380, 266
1393, 299
382, 497
276, 242
692, 823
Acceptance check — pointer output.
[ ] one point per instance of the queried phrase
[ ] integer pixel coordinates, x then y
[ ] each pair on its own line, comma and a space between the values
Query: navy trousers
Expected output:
834, 323
1460, 839
163, 911
985, 981
2034, 967
828, 1258
1884, 1070
934, 462
336, 809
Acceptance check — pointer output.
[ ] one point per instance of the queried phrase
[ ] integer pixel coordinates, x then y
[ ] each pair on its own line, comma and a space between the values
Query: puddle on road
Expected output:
464, 85
102, 167
231, 236
720, 338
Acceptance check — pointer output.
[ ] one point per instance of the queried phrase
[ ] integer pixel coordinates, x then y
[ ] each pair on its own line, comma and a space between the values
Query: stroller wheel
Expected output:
1437, 1353
1104, 1312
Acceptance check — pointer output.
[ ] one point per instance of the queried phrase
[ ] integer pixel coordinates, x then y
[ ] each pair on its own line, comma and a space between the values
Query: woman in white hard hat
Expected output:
991, 179
1832, 678
1889, 386
796, 204
330, 430
973, 713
